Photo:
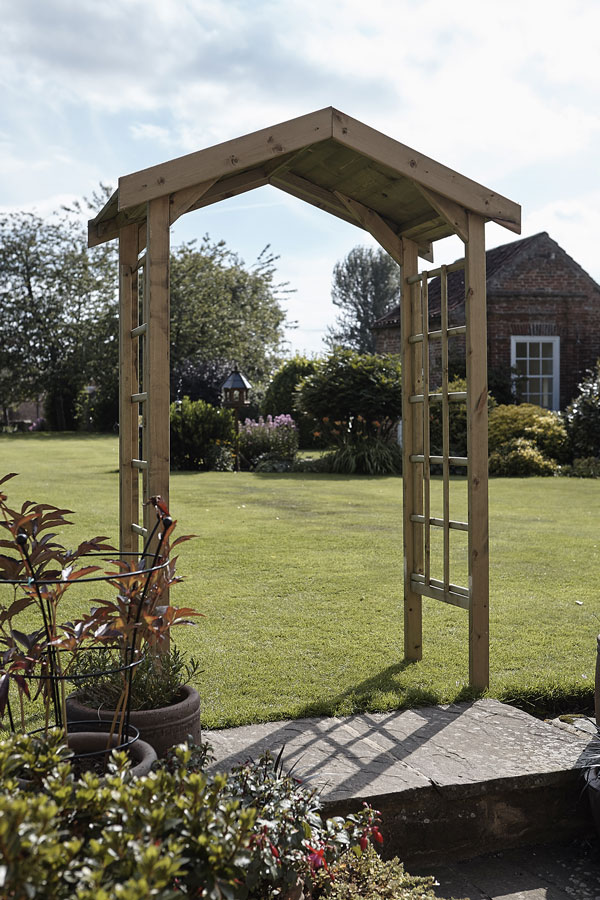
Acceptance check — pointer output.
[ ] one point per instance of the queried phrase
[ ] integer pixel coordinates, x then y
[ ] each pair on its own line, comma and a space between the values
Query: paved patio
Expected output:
452, 782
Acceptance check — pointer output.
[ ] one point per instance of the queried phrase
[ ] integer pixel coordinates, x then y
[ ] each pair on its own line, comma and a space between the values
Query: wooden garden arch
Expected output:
407, 202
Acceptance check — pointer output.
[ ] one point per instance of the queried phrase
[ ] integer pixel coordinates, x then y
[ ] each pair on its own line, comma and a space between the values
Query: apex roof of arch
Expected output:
327, 159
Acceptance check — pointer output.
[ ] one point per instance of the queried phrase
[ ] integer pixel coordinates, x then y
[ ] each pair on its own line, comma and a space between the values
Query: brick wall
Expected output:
541, 292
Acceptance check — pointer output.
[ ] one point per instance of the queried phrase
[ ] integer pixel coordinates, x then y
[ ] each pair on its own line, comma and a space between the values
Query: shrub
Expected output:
353, 396
519, 458
367, 457
583, 416
319, 464
280, 397
276, 438
368, 877
202, 436
545, 429
251, 834
589, 467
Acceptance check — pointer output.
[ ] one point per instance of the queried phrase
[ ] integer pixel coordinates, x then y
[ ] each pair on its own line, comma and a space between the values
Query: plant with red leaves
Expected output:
39, 572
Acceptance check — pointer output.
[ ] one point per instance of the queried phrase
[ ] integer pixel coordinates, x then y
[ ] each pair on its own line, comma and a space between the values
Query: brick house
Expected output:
543, 318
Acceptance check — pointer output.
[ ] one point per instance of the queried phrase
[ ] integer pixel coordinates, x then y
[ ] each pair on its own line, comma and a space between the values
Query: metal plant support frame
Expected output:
406, 201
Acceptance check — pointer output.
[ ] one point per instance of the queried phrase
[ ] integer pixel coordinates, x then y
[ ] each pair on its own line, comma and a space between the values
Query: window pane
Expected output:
534, 367
521, 350
547, 367
547, 350
534, 398
533, 386
521, 366
534, 349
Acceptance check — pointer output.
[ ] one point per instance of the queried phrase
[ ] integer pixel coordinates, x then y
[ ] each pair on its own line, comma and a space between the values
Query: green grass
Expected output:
299, 578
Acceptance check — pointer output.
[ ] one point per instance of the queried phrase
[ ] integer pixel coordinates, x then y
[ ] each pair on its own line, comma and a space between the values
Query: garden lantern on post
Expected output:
236, 395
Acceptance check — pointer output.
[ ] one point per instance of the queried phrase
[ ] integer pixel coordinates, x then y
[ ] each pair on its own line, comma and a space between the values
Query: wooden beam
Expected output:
426, 172
453, 213
381, 231
412, 444
225, 159
129, 503
477, 452
304, 188
183, 201
157, 346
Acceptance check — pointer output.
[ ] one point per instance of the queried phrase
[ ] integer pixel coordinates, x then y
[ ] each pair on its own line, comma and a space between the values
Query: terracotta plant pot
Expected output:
161, 728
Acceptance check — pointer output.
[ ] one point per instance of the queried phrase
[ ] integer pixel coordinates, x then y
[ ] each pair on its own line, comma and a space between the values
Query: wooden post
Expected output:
156, 363
477, 452
128, 385
412, 443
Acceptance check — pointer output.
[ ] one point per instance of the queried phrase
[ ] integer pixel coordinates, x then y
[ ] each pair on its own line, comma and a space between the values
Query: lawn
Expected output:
299, 578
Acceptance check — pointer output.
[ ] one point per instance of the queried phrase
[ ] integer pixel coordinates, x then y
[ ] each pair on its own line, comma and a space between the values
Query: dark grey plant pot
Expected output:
161, 728
142, 754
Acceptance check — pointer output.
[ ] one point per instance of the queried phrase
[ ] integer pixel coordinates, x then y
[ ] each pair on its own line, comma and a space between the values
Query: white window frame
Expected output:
538, 339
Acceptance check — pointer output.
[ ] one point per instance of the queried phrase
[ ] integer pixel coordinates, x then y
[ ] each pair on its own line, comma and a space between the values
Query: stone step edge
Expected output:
460, 821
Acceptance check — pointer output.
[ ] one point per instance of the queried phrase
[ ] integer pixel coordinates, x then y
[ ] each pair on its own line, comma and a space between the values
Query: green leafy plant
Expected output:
589, 467
280, 397
520, 458
202, 436
156, 682
41, 570
367, 457
368, 877
247, 835
544, 428
353, 396
582, 416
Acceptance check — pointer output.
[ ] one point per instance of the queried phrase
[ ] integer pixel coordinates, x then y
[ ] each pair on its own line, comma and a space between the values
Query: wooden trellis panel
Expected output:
417, 338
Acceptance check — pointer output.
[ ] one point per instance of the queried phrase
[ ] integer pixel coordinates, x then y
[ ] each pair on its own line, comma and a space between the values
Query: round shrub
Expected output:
583, 417
545, 429
202, 436
353, 396
588, 467
520, 458
280, 397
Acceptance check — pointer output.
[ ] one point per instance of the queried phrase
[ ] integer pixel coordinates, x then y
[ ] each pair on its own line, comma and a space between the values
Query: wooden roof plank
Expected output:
423, 170
224, 159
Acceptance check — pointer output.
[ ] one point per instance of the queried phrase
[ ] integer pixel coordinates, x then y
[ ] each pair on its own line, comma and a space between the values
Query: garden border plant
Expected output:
40, 573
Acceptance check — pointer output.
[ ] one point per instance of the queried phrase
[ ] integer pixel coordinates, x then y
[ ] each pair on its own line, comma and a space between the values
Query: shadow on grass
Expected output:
382, 692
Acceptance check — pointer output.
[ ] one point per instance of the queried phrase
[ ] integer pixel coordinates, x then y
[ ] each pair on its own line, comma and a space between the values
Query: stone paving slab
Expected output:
363, 756
549, 872
453, 781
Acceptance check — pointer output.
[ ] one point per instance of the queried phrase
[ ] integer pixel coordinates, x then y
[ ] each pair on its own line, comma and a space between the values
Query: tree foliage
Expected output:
281, 395
221, 313
366, 285
58, 311
582, 417
353, 395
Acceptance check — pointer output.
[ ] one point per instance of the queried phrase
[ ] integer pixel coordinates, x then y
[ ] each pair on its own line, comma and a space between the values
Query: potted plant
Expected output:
40, 663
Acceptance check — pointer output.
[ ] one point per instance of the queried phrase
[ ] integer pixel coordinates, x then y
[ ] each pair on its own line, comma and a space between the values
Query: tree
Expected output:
353, 396
221, 313
58, 311
366, 285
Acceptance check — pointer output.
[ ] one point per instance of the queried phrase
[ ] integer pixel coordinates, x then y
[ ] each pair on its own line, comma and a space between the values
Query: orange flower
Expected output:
325, 419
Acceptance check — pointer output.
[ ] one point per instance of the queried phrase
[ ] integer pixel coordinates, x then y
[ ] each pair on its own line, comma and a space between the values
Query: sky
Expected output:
506, 92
